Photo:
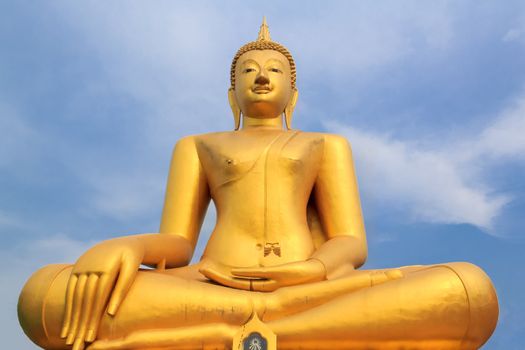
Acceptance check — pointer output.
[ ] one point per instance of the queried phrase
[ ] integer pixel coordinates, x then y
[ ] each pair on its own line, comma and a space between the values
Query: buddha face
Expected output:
262, 83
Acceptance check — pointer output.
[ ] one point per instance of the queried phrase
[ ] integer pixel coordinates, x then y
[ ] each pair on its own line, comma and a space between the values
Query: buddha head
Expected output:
263, 80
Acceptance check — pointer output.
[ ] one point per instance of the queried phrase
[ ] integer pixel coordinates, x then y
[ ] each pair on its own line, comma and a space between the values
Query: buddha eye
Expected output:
275, 70
248, 70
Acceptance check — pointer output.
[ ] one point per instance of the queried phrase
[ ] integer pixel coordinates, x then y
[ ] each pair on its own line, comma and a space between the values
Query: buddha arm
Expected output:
185, 205
337, 200
166, 250
186, 201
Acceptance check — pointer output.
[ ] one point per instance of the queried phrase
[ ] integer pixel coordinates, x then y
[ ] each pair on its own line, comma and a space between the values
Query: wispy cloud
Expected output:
9, 221
440, 183
516, 32
160, 56
504, 137
123, 195
18, 139
513, 34
371, 37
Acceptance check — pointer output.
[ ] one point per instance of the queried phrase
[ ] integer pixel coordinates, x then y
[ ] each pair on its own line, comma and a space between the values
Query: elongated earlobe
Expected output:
288, 111
235, 108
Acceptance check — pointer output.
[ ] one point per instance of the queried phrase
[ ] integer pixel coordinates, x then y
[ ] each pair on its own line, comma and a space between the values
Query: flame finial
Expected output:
264, 32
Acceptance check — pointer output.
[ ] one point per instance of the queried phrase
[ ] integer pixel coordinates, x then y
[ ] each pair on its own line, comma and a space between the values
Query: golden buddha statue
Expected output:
286, 247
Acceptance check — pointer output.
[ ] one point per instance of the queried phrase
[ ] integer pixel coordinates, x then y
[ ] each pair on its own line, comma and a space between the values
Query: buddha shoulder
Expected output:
332, 143
237, 141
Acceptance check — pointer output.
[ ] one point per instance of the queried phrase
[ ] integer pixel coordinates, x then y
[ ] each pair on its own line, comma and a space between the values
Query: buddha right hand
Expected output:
110, 263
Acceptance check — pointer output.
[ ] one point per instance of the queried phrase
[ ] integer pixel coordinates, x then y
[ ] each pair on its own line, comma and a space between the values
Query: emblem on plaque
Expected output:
255, 335
255, 341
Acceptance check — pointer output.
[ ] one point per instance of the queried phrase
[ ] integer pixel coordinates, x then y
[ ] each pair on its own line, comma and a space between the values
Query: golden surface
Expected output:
286, 247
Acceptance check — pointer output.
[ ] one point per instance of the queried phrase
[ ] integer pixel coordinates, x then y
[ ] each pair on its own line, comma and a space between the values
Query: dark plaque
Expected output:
254, 342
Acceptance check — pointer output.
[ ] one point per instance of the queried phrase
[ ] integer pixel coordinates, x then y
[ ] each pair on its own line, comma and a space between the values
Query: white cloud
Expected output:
18, 139
513, 34
427, 183
440, 183
58, 248
371, 37
10, 220
516, 33
160, 55
505, 137
7, 220
123, 195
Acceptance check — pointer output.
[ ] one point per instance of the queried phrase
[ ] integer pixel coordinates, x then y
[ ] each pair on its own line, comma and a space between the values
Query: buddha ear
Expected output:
235, 108
288, 111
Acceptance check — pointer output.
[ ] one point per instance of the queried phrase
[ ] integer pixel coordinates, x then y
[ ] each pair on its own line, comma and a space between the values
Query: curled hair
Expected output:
263, 45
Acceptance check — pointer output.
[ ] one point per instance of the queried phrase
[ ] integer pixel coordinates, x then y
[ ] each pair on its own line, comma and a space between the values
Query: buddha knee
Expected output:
41, 304
482, 301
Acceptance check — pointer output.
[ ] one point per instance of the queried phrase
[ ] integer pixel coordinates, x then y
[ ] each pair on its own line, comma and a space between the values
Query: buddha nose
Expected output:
262, 78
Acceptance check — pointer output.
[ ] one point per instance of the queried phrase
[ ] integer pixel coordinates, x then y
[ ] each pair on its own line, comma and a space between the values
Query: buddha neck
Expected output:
262, 123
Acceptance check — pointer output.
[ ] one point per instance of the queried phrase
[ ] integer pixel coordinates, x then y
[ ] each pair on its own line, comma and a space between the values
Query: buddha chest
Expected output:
260, 158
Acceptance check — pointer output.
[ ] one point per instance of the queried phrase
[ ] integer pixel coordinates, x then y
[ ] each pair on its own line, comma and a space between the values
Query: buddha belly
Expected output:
257, 244
260, 225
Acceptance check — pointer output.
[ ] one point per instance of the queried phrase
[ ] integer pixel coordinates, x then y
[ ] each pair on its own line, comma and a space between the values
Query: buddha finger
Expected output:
70, 292
101, 297
106, 345
394, 274
226, 280
212, 274
78, 344
77, 308
87, 307
252, 273
382, 276
287, 271
265, 285
125, 277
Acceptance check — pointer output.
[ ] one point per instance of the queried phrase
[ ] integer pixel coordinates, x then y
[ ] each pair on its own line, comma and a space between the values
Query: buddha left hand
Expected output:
266, 279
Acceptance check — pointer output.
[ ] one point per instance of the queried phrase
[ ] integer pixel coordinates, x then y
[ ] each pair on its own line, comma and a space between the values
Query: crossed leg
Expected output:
449, 306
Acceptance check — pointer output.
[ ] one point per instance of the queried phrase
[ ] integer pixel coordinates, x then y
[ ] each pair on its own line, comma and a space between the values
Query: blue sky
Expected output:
431, 94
